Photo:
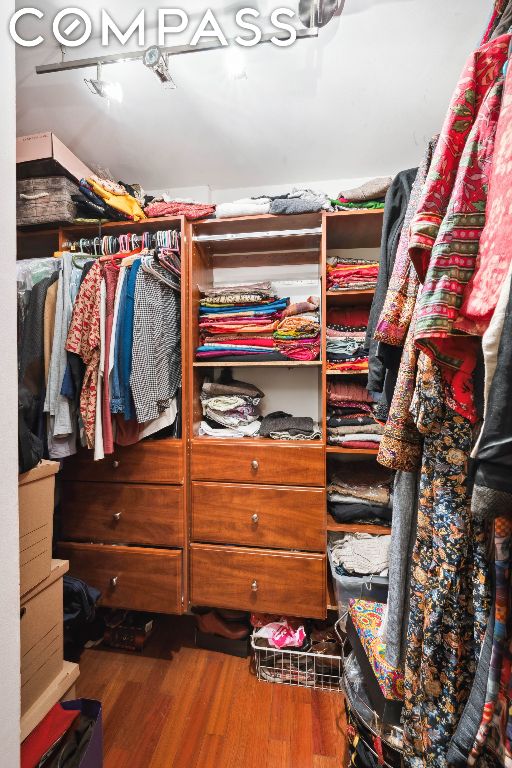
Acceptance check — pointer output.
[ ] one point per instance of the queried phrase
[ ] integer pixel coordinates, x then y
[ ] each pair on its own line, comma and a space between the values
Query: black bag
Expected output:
30, 447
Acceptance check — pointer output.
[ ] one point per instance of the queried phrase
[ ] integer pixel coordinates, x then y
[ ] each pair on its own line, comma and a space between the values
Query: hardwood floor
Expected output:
176, 706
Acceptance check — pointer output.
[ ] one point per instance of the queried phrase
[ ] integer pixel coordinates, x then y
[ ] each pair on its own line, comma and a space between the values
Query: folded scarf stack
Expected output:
284, 426
297, 336
237, 322
346, 332
351, 421
361, 494
230, 409
107, 199
191, 211
370, 196
351, 274
360, 554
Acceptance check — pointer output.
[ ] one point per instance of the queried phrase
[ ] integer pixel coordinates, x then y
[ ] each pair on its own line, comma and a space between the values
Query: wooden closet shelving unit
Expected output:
348, 230
257, 505
188, 536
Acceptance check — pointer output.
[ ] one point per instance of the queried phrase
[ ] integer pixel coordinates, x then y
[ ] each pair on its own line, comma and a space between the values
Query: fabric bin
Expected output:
93, 757
384, 683
45, 200
357, 588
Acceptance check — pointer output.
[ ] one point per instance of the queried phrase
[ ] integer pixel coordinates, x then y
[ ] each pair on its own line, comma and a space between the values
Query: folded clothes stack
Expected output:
297, 336
360, 554
192, 211
283, 426
351, 422
360, 493
107, 199
230, 409
299, 200
237, 322
351, 274
370, 195
346, 333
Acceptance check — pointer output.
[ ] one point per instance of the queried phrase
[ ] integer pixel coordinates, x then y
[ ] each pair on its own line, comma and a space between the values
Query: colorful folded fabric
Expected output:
191, 211
367, 620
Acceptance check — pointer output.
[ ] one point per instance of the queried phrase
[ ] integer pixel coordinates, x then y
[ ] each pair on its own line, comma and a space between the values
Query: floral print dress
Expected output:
450, 600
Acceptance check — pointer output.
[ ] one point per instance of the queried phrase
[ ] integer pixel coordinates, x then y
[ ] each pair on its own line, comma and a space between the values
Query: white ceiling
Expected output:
359, 101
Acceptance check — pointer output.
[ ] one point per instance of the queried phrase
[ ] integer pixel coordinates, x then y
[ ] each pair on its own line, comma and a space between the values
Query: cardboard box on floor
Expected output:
43, 154
36, 491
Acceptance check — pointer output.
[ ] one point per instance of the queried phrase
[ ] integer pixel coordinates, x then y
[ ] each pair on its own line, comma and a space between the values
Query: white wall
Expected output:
361, 100
9, 531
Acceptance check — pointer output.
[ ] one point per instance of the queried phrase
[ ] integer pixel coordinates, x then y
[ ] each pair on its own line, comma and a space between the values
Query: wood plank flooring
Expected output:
175, 706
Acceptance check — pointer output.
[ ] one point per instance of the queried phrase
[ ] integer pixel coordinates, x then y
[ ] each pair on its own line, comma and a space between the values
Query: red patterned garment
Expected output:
495, 255
445, 234
480, 74
84, 340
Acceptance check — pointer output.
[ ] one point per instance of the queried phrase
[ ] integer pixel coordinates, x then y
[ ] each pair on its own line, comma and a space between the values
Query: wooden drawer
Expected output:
258, 580
258, 462
128, 514
153, 461
259, 516
42, 647
129, 577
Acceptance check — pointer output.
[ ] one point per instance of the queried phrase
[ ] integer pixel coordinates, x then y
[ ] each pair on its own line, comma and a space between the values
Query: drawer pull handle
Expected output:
117, 516
255, 519
116, 464
255, 465
23, 611
113, 581
254, 586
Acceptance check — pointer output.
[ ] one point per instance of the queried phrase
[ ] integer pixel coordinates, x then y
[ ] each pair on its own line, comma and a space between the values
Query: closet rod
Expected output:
257, 235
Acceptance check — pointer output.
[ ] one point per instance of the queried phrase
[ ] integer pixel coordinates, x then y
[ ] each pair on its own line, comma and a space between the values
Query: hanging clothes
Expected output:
495, 255
84, 340
396, 315
449, 598
62, 429
156, 355
447, 228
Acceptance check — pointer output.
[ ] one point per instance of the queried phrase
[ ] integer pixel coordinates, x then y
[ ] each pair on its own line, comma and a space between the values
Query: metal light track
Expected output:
177, 50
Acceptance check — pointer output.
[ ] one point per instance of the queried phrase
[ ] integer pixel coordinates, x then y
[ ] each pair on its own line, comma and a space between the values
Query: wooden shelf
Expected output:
346, 373
354, 229
336, 449
334, 527
256, 442
350, 298
263, 364
331, 596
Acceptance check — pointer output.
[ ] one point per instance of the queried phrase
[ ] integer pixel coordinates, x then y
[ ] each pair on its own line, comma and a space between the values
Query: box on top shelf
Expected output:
43, 154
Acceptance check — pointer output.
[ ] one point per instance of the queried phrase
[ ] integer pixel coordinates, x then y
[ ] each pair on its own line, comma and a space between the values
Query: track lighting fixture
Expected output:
157, 61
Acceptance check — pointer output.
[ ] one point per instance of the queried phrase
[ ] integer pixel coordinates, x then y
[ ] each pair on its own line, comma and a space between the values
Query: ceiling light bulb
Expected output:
104, 88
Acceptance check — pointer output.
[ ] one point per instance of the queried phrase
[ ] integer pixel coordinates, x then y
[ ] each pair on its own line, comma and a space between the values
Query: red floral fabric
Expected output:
445, 234
495, 255
84, 340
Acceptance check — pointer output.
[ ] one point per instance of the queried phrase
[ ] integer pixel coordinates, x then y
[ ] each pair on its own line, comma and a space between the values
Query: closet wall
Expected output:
9, 540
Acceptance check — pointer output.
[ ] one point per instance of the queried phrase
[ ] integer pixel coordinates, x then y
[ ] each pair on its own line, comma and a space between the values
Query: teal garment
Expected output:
126, 342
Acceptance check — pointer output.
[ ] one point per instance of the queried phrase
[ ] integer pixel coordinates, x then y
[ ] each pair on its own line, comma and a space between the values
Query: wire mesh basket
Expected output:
294, 667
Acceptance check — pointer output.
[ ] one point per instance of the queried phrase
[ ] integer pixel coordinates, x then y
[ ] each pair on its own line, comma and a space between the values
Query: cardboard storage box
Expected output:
36, 492
42, 635
43, 154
